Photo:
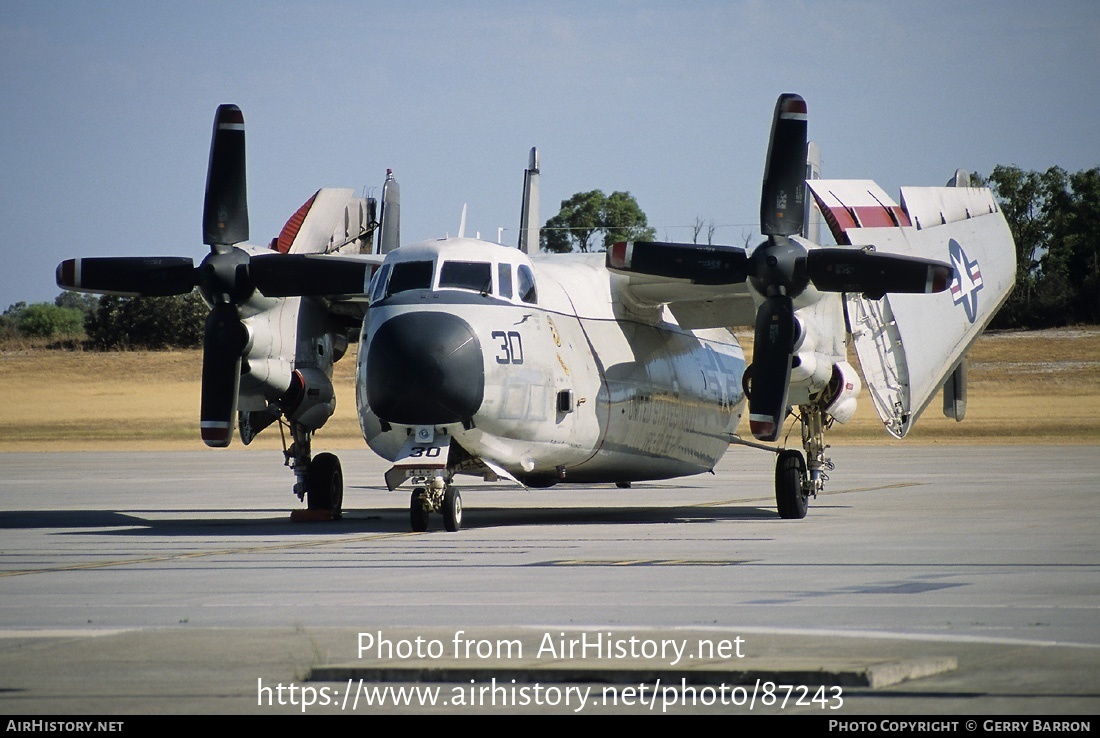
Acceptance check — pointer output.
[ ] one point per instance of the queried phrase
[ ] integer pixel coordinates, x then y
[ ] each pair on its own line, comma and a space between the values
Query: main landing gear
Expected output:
320, 478
791, 494
438, 496
799, 477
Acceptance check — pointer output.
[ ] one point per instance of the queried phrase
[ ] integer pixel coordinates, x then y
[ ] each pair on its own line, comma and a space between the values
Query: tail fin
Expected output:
389, 220
529, 211
811, 224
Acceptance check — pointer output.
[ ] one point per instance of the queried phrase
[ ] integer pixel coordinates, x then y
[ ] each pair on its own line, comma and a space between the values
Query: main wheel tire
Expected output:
452, 509
418, 515
790, 497
326, 484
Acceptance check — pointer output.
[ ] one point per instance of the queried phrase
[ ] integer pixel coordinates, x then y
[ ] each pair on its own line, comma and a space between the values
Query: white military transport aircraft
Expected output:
499, 362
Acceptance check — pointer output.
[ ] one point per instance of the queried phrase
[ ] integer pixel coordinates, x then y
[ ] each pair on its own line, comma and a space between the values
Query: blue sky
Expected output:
107, 108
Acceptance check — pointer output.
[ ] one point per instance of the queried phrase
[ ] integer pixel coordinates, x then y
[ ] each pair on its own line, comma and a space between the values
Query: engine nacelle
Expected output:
265, 371
311, 399
265, 378
839, 396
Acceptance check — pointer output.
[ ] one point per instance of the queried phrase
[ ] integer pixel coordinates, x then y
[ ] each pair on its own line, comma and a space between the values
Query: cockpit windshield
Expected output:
467, 275
502, 279
410, 275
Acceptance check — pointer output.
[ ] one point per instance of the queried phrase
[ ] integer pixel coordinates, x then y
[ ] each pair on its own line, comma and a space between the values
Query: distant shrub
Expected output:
147, 322
43, 320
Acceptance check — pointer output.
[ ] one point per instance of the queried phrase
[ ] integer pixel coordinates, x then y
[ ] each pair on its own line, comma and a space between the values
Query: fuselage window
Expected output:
504, 280
467, 275
410, 275
527, 285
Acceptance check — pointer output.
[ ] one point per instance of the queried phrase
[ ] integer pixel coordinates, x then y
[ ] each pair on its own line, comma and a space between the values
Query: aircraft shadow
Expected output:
385, 520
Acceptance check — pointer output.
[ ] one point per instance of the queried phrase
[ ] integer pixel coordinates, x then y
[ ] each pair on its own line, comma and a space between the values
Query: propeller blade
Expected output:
700, 264
222, 346
225, 210
284, 275
130, 276
875, 274
784, 192
770, 372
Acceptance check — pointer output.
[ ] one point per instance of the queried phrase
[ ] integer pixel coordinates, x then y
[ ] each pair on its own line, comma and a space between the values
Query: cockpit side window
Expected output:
504, 280
410, 275
378, 282
527, 291
467, 275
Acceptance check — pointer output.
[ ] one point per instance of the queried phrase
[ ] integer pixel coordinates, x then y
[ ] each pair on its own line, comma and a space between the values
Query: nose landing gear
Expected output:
438, 496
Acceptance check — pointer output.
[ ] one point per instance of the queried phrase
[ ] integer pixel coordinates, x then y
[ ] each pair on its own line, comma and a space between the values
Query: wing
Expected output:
333, 220
324, 250
909, 345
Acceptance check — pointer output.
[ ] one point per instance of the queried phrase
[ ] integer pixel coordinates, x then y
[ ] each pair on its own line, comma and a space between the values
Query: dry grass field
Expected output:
1025, 387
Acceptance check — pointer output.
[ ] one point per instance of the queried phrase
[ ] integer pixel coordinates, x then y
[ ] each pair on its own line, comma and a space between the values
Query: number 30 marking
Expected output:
511, 347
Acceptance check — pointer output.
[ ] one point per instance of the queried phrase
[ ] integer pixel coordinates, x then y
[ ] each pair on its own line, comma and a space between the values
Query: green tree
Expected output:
576, 223
84, 302
623, 220
1018, 195
1083, 243
9, 321
1055, 220
585, 215
148, 322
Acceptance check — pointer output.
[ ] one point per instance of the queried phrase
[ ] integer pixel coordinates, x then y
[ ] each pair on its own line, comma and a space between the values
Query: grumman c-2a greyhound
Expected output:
499, 362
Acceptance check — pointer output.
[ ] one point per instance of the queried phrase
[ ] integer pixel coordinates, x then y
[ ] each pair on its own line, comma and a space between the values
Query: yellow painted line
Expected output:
202, 554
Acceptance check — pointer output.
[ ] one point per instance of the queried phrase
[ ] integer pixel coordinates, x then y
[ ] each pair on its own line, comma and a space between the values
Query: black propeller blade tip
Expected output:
225, 209
784, 191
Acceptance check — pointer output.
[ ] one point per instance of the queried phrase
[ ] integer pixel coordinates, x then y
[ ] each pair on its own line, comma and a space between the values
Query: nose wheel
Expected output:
440, 497
452, 509
418, 513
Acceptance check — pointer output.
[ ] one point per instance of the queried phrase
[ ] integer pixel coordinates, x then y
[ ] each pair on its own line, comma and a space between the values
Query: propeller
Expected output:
222, 276
227, 277
781, 268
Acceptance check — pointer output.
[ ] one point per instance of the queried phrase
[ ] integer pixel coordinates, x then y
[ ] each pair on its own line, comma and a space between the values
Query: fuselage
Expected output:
537, 366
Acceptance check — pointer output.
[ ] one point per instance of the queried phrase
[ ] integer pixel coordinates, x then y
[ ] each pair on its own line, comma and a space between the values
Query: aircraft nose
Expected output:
425, 368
